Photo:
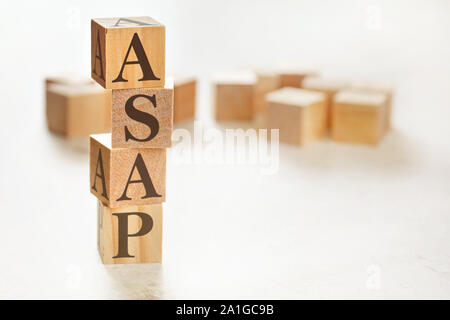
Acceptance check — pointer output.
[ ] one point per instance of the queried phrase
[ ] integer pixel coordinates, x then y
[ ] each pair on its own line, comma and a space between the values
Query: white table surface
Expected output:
336, 221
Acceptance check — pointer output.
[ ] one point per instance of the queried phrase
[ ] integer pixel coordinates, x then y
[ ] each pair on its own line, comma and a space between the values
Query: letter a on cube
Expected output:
126, 176
128, 52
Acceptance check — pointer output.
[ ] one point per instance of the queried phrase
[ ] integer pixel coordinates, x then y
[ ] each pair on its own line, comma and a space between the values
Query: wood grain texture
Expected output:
78, 110
123, 165
143, 249
358, 117
184, 99
163, 112
115, 36
298, 114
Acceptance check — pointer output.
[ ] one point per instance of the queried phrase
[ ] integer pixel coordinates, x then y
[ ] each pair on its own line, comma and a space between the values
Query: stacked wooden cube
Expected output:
128, 166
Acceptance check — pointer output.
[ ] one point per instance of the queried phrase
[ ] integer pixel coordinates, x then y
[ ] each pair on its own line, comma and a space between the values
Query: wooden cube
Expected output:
266, 82
377, 87
293, 77
142, 117
129, 234
126, 177
234, 94
128, 52
298, 114
329, 86
184, 99
358, 117
78, 110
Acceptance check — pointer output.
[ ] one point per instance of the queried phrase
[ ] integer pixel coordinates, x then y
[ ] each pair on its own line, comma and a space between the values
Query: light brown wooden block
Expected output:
377, 87
266, 82
294, 77
126, 177
358, 117
184, 99
328, 86
128, 52
78, 110
129, 234
298, 114
142, 117
234, 94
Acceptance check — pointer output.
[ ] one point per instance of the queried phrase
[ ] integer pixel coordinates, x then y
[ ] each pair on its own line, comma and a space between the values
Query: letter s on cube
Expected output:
142, 117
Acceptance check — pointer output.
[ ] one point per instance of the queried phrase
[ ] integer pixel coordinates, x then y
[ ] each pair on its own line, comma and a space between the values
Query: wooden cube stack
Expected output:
128, 166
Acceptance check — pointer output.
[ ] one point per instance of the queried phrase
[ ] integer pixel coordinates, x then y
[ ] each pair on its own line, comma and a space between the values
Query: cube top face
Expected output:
298, 72
130, 234
75, 90
235, 78
372, 86
127, 22
295, 97
360, 98
68, 79
123, 177
128, 52
182, 80
324, 84
142, 117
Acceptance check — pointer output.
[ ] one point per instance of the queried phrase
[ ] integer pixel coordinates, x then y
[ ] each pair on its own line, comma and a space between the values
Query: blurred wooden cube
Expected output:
266, 82
184, 99
126, 176
377, 87
128, 52
142, 117
293, 77
234, 95
298, 114
359, 117
328, 86
129, 234
78, 110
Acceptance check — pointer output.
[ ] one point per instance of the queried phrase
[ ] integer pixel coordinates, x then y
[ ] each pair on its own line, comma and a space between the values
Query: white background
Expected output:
336, 221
